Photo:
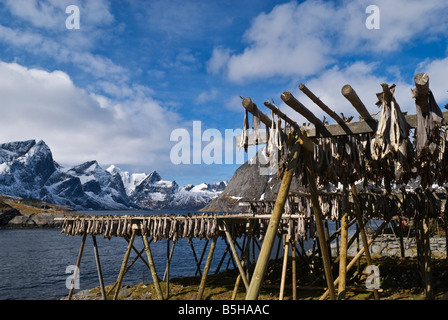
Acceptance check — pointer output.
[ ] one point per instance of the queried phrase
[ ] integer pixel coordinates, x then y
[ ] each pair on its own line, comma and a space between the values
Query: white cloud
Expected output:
78, 126
207, 96
302, 39
327, 86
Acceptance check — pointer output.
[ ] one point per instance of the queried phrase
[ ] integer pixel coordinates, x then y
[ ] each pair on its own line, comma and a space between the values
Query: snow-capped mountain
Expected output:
150, 191
27, 170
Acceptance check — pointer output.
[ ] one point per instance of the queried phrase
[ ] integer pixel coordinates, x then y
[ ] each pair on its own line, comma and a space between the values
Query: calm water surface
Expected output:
33, 262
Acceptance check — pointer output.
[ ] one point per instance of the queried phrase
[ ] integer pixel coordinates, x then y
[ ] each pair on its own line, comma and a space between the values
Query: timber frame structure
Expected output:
292, 217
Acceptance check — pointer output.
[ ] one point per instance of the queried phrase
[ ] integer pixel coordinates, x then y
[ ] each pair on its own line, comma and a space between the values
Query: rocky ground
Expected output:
399, 280
20, 213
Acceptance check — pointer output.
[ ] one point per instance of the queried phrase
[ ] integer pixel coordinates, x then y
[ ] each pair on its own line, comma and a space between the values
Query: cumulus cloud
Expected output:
302, 39
78, 126
327, 86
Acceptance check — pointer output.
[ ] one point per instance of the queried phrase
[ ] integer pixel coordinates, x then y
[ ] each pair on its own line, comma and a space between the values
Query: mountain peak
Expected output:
153, 177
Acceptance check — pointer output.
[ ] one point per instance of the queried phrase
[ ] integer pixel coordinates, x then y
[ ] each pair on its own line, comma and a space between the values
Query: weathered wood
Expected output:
271, 231
350, 94
276, 110
343, 248
78, 263
297, 106
360, 222
324, 107
284, 267
421, 91
357, 257
124, 264
155, 278
294, 270
311, 178
250, 106
98, 268
206, 269
235, 255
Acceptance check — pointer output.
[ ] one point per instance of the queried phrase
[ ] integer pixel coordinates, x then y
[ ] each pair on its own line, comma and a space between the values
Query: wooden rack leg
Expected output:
343, 247
78, 263
343, 257
124, 264
266, 248
235, 255
98, 267
319, 223
356, 258
284, 267
155, 278
363, 232
294, 272
206, 269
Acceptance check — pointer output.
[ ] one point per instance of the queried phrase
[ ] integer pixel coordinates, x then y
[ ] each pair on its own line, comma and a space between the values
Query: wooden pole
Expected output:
98, 267
169, 261
360, 221
294, 268
319, 223
324, 107
343, 248
206, 269
350, 94
124, 264
427, 259
296, 105
198, 265
421, 91
356, 258
78, 263
155, 278
167, 270
271, 231
284, 267
235, 255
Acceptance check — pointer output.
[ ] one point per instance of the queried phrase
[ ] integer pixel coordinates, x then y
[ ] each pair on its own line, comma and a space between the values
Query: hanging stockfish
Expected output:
256, 123
245, 134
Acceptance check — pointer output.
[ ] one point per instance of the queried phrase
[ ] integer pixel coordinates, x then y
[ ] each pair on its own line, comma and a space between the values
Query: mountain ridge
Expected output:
28, 170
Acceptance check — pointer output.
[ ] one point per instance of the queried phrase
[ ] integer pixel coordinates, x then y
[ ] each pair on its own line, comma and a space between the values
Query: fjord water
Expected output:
33, 262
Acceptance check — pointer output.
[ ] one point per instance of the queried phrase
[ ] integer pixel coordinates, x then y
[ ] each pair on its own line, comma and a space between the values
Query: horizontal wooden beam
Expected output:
358, 127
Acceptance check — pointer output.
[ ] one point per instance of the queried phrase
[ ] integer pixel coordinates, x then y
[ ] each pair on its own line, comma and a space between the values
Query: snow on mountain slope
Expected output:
150, 191
27, 170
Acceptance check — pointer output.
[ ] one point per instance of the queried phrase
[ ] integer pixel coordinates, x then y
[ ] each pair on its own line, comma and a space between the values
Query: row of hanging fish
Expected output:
175, 227
389, 155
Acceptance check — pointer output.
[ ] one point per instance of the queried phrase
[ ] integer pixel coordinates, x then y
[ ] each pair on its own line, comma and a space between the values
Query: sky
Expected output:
117, 87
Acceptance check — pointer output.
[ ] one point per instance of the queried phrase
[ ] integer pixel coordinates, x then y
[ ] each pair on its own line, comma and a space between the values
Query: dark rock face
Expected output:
246, 184
7, 213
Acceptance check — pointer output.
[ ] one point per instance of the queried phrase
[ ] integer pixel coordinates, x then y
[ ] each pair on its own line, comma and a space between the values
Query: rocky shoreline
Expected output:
14, 214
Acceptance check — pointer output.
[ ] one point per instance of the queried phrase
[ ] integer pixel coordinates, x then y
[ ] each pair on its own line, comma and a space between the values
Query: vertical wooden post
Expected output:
155, 278
271, 231
206, 268
294, 273
167, 287
284, 267
343, 247
427, 259
78, 263
319, 223
124, 264
356, 258
235, 255
363, 232
98, 267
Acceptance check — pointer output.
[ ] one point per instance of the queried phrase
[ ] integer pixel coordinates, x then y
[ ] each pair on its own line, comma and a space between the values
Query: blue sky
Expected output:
135, 71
